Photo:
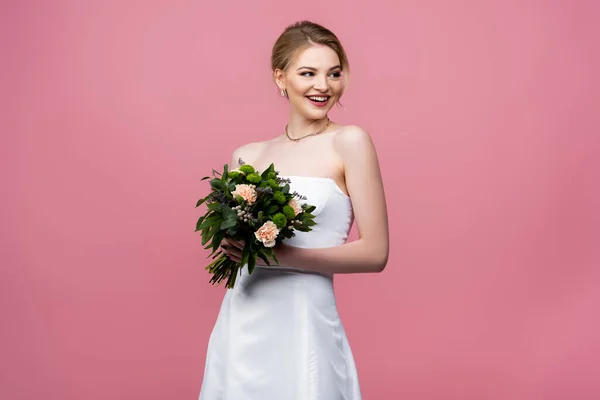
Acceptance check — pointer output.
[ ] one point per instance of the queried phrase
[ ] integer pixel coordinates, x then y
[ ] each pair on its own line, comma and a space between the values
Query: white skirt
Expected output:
278, 336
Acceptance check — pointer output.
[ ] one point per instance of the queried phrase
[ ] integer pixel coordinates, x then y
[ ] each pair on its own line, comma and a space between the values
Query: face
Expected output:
313, 81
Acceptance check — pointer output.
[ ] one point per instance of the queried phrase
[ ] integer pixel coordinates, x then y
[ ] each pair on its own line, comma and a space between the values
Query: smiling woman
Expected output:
278, 334
309, 62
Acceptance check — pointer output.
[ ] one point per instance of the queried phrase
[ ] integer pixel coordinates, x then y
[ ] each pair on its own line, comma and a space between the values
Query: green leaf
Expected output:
265, 173
199, 223
274, 256
217, 239
215, 226
225, 172
217, 254
228, 223
217, 184
272, 209
207, 234
205, 237
228, 213
286, 188
204, 228
201, 201
260, 217
214, 206
215, 264
246, 252
264, 257
251, 262
205, 178
210, 220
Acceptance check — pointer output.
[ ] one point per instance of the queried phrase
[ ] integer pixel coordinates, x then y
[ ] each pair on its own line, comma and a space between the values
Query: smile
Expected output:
319, 101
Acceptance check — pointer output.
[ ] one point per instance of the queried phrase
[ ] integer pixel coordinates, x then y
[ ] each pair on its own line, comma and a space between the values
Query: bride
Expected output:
278, 335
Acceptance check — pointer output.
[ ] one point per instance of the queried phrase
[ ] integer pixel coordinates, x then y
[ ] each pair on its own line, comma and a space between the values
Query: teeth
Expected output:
318, 98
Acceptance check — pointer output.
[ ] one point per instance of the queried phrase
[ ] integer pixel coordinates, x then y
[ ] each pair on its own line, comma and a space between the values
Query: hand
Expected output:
233, 249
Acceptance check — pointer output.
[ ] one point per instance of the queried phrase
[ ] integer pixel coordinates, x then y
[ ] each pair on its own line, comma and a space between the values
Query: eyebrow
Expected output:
314, 69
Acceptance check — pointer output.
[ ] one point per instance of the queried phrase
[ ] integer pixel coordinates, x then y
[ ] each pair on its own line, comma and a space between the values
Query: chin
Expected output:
317, 114
314, 116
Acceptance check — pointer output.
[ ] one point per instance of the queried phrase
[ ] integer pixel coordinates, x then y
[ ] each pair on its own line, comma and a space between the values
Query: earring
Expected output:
283, 92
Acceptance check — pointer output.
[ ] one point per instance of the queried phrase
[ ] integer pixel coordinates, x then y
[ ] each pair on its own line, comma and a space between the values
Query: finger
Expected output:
232, 249
230, 243
238, 244
233, 252
226, 249
234, 258
234, 243
226, 245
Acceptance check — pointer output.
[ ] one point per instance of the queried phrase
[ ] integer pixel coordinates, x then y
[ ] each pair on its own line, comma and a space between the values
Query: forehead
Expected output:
317, 56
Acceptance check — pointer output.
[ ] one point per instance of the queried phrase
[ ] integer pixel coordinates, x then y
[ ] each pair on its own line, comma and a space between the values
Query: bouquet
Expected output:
250, 206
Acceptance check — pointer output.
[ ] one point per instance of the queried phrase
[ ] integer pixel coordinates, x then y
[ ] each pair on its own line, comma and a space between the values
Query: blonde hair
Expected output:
301, 35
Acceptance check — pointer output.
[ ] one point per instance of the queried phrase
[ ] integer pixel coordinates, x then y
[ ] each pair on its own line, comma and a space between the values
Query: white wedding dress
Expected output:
278, 335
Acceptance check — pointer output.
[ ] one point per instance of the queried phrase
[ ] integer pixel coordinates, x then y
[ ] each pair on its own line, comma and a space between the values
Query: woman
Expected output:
278, 335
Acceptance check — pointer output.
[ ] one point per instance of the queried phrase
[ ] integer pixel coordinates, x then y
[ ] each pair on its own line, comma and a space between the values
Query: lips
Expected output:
319, 100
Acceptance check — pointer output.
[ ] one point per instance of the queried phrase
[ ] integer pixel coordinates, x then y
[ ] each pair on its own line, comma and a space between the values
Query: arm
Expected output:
363, 179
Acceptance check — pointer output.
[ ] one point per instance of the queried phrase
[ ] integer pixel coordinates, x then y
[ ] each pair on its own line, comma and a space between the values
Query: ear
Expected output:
279, 77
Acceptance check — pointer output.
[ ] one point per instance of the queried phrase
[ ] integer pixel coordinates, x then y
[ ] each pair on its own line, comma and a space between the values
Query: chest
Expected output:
313, 158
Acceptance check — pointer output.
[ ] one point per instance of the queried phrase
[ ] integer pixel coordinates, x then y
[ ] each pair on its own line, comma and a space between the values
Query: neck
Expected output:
299, 126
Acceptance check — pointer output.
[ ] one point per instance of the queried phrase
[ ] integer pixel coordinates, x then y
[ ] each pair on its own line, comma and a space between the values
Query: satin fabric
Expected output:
278, 334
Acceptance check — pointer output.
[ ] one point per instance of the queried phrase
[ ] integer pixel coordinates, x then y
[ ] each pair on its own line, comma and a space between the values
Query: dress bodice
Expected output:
333, 213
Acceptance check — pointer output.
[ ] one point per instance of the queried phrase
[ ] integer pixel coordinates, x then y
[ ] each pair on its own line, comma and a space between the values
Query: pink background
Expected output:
485, 115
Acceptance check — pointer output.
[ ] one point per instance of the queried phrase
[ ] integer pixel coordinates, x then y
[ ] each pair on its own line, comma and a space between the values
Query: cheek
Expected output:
337, 87
300, 87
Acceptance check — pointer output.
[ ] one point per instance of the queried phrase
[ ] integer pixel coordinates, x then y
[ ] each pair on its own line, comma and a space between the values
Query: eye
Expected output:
335, 74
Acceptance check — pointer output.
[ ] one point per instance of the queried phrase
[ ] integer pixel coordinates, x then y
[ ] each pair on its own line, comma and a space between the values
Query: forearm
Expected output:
359, 256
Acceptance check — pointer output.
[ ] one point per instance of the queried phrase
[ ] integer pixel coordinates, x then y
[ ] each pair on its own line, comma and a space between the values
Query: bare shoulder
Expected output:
248, 153
352, 139
356, 149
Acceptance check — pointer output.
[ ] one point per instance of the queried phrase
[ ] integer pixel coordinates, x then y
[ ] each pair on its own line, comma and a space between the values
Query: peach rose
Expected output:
267, 233
295, 205
248, 192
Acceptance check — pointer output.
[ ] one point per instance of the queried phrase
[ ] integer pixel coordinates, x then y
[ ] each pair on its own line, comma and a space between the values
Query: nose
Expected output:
321, 83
